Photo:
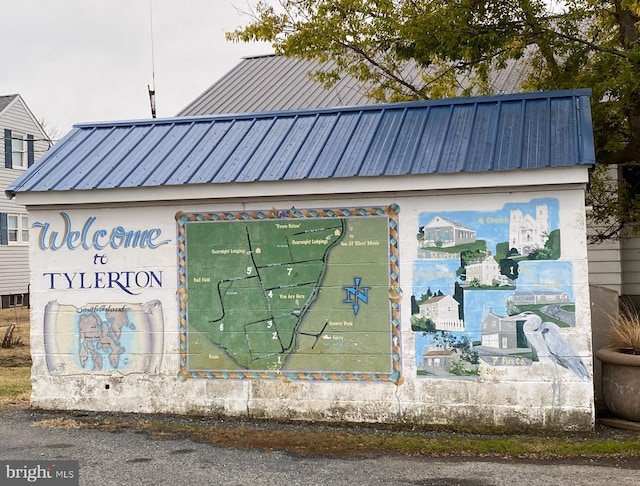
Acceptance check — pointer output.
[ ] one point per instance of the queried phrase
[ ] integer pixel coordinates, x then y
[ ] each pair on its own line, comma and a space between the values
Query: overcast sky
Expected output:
91, 60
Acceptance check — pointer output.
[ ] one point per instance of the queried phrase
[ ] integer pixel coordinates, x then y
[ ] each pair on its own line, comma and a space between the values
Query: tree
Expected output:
422, 324
53, 132
458, 46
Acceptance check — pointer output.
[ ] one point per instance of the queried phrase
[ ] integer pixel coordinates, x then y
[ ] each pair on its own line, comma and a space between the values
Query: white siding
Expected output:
14, 268
604, 265
14, 259
605, 258
631, 266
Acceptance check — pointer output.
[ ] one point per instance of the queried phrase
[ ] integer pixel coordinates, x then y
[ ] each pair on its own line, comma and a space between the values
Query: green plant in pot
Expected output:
621, 364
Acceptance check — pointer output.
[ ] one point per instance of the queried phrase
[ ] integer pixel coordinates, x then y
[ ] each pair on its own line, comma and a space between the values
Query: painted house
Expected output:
538, 297
444, 232
262, 264
437, 359
24, 141
500, 332
485, 272
443, 311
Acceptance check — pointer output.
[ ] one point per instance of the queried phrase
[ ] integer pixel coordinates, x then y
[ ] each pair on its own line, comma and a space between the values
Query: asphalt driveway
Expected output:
135, 457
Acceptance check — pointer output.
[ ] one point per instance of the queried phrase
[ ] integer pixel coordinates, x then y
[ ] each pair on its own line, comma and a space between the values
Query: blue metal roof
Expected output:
496, 133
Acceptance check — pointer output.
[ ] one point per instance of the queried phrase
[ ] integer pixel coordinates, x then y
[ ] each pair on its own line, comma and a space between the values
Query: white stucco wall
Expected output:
509, 391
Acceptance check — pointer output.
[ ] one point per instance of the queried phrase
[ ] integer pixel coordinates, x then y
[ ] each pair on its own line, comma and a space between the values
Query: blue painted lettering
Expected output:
127, 281
99, 238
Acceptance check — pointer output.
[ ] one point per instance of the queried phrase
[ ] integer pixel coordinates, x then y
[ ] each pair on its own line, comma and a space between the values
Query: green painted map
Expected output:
304, 294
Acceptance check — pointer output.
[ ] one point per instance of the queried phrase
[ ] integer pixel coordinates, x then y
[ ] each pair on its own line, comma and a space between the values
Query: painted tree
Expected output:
458, 47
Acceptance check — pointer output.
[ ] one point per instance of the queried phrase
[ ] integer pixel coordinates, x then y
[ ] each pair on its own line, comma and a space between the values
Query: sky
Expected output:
75, 61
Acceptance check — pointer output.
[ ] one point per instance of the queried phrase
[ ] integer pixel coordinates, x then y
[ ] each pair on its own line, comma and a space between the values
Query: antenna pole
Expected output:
152, 88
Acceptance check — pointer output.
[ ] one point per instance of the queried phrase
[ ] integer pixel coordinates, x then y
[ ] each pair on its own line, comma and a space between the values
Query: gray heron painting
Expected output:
546, 340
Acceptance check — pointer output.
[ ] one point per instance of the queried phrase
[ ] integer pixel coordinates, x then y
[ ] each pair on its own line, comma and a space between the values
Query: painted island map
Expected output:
268, 291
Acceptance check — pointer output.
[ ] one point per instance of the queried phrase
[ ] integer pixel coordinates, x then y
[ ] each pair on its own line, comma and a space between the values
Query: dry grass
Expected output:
60, 423
15, 362
15, 385
624, 331
14, 315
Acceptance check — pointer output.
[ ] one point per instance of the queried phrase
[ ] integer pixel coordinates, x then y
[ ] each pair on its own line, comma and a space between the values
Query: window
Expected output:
24, 227
17, 229
18, 151
16, 300
12, 226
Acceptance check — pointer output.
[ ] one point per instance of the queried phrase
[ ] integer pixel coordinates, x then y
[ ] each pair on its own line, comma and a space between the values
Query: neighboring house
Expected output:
23, 141
271, 82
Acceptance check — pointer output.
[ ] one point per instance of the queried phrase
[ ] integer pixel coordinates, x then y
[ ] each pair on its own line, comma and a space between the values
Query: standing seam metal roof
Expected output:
495, 133
274, 82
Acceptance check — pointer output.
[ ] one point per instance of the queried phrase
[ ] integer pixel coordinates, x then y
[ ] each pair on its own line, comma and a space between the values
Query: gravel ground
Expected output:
125, 455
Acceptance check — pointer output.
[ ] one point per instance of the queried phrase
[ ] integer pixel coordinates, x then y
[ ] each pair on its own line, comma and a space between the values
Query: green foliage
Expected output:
614, 207
509, 268
551, 250
458, 46
462, 344
460, 367
512, 308
501, 250
467, 257
422, 324
424, 297
415, 307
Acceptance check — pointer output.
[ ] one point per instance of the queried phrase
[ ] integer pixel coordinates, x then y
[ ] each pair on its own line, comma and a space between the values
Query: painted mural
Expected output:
121, 334
104, 337
301, 294
491, 288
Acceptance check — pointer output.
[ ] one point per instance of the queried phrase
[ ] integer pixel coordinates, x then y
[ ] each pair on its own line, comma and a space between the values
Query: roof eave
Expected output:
348, 186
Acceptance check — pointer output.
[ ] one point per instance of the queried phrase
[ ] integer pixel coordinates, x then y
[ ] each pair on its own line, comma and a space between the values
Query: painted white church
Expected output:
527, 234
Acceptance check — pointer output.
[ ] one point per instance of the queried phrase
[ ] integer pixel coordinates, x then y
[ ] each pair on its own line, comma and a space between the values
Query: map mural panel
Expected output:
101, 338
489, 287
307, 294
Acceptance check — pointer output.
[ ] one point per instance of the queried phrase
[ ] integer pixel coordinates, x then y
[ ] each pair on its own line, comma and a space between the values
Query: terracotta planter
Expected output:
621, 382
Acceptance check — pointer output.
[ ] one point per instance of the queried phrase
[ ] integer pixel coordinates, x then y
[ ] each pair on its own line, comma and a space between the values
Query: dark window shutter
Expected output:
4, 231
8, 158
30, 151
